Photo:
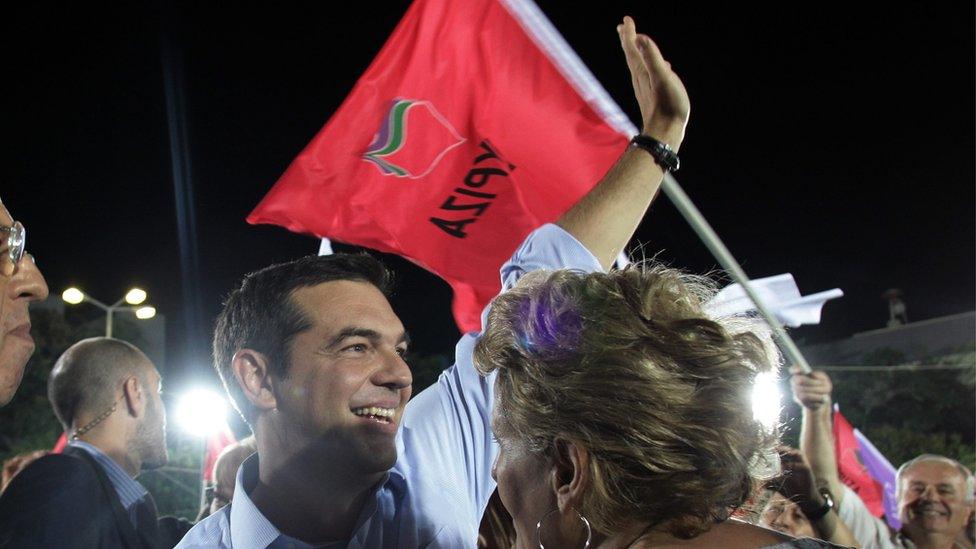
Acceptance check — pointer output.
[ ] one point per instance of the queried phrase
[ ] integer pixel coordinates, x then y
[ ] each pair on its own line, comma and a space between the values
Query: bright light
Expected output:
202, 412
73, 296
766, 399
145, 313
135, 296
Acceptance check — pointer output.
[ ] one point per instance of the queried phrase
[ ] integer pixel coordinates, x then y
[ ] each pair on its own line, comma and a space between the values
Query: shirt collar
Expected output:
250, 529
130, 492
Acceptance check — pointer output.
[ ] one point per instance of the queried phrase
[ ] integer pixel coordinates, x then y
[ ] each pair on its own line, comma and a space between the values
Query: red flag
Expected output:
216, 442
852, 471
474, 125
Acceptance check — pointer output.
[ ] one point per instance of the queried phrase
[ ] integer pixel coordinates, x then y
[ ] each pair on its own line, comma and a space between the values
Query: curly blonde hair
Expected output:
629, 366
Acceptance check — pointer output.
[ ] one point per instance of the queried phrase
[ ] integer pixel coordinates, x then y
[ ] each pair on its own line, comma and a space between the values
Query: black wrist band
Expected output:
661, 152
820, 513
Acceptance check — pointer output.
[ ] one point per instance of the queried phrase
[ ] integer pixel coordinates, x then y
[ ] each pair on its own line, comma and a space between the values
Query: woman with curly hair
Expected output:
624, 413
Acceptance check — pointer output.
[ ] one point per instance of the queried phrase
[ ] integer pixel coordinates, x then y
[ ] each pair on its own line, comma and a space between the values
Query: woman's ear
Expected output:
570, 473
250, 369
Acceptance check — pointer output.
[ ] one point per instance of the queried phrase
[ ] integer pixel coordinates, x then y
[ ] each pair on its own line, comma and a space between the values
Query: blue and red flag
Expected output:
865, 470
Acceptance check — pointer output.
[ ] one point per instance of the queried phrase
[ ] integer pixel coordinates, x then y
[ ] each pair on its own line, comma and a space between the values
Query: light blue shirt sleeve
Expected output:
446, 448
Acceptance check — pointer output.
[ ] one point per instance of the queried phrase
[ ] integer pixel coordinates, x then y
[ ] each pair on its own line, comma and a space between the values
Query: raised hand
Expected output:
811, 390
664, 103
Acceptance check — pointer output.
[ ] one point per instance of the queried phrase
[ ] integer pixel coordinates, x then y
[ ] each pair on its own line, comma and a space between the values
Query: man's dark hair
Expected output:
260, 314
86, 376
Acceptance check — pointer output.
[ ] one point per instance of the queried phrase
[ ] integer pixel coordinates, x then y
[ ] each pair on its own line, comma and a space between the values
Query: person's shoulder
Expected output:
57, 462
58, 472
213, 531
54, 502
735, 532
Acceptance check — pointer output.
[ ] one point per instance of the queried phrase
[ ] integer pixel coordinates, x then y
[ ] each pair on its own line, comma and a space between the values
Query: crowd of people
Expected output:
598, 407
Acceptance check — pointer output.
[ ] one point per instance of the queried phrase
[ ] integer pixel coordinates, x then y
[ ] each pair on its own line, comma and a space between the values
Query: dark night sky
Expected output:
834, 141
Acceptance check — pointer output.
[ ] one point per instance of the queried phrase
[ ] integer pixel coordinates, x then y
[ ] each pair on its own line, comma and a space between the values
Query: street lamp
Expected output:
202, 414
133, 298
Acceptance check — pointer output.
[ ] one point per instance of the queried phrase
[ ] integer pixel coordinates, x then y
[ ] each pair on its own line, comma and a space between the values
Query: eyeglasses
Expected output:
211, 493
12, 248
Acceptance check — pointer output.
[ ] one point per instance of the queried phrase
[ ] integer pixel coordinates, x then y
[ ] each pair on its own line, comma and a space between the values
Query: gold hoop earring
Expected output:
586, 524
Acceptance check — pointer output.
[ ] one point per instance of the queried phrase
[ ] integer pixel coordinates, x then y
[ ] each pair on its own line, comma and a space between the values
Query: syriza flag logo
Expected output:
412, 140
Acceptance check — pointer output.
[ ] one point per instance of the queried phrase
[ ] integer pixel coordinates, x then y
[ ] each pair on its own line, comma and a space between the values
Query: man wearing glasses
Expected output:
20, 283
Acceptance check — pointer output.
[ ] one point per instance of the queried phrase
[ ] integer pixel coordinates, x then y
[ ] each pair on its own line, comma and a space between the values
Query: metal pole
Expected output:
725, 259
108, 321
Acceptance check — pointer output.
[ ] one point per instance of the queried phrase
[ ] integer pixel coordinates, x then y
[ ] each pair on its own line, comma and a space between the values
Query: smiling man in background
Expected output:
934, 493
935, 500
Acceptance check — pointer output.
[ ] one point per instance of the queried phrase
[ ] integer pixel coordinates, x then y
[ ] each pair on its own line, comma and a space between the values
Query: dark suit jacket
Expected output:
66, 500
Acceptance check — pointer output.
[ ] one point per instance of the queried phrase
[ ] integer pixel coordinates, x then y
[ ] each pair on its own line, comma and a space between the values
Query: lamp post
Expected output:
132, 299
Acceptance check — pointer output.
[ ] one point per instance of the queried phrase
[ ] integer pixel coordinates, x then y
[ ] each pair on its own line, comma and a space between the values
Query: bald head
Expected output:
88, 377
225, 471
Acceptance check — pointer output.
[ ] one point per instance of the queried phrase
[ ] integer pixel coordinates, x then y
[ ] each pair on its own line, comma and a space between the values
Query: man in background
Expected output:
225, 473
934, 493
798, 505
106, 394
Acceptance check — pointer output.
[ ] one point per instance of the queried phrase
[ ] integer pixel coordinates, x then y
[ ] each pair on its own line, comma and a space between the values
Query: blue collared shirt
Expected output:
436, 492
130, 492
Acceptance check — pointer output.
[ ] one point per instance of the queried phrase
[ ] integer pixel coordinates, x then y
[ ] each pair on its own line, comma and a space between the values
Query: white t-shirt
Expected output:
869, 531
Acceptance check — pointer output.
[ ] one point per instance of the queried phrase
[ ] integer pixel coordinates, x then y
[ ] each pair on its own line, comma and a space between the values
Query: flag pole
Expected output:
725, 259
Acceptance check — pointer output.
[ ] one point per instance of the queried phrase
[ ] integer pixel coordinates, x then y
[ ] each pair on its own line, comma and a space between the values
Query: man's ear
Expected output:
250, 368
570, 474
133, 396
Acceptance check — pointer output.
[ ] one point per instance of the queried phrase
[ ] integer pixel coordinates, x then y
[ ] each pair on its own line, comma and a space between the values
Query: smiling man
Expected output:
935, 500
311, 353
934, 493
21, 284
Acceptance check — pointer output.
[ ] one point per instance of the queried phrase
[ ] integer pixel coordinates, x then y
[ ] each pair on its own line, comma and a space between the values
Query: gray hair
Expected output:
967, 475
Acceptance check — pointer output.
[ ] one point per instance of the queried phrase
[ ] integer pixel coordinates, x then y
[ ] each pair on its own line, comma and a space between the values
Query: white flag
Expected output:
780, 295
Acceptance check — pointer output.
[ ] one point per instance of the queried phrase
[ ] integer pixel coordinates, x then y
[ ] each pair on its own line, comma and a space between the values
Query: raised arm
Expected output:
812, 392
606, 218
447, 427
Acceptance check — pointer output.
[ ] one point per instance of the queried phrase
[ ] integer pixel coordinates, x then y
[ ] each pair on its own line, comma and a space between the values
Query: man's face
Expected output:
150, 439
16, 343
347, 383
932, 499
